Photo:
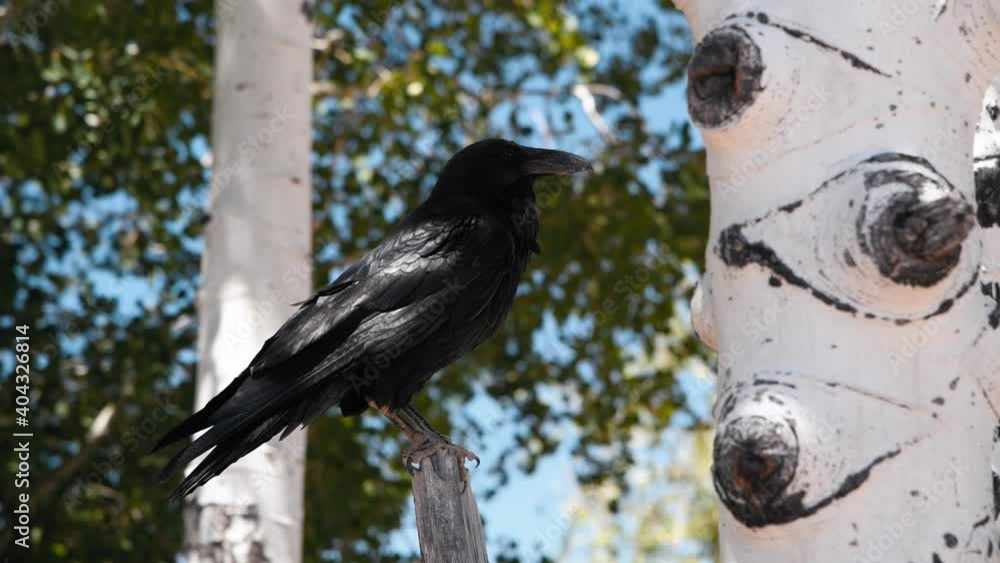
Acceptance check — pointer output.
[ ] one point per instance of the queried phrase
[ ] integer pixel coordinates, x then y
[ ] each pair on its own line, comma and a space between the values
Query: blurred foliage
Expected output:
102, 189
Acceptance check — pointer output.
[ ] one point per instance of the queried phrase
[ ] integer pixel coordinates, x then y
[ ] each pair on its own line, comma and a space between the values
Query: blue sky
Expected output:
529, 504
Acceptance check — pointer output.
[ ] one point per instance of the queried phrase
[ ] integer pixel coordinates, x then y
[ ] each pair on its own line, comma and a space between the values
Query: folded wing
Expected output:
306, 366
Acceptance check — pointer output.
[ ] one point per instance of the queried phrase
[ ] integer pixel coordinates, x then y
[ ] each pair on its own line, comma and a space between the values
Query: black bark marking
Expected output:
895, 156
774, 382
950, 540
941, 10
993, 111
987, 179
947, 304
258, 554
986, 397
992, 290
774, 282
727, 407
938, 401
996, 495
869, 394
936, 559
996, 478
788, 208
735, 250
724, 76
783, 508
914, 242
308, 10
851, 58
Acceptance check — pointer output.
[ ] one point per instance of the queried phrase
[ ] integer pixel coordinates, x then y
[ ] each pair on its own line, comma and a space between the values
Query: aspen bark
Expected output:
257, 261
851, 276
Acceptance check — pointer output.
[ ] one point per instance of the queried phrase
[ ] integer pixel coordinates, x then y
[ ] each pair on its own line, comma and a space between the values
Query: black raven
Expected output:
437, 287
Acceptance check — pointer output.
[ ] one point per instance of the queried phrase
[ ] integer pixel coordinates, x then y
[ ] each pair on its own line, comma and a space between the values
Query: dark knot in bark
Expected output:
988, 193
917, 237
755, 461
724, 76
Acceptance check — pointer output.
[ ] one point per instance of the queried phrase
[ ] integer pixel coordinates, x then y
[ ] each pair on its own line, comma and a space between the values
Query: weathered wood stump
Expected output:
448, 521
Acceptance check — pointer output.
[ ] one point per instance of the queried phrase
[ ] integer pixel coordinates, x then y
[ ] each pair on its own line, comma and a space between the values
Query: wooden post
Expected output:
448, 521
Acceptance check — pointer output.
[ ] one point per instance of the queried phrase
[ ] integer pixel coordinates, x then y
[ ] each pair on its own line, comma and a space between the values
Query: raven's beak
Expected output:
541, 162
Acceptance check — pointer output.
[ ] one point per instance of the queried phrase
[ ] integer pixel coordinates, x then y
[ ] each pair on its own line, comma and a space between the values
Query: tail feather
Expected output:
239, 427
226, 453
201, 419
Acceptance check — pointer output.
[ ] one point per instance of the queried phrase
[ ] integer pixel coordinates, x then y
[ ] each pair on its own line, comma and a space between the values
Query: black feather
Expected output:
433, 290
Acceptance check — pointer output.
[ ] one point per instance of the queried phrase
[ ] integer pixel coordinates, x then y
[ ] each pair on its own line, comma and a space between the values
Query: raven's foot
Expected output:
414, 456
426, 440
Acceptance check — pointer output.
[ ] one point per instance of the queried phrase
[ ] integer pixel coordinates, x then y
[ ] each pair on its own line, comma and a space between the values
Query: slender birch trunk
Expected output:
851, 276
257, 261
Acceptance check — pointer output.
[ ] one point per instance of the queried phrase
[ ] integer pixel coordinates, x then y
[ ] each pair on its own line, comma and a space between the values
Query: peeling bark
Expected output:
225, 534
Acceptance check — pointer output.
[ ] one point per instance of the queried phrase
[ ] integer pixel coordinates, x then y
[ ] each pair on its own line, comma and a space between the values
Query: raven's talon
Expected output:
414, 456
411, 467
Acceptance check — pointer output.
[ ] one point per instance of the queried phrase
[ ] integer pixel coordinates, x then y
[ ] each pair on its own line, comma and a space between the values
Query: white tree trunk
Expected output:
257, 261
849, 289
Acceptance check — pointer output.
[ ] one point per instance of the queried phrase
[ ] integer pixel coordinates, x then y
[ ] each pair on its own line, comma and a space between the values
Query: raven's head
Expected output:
498, 170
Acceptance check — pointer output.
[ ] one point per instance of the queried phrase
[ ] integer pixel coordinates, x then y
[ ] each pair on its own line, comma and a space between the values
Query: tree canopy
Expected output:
104, 172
